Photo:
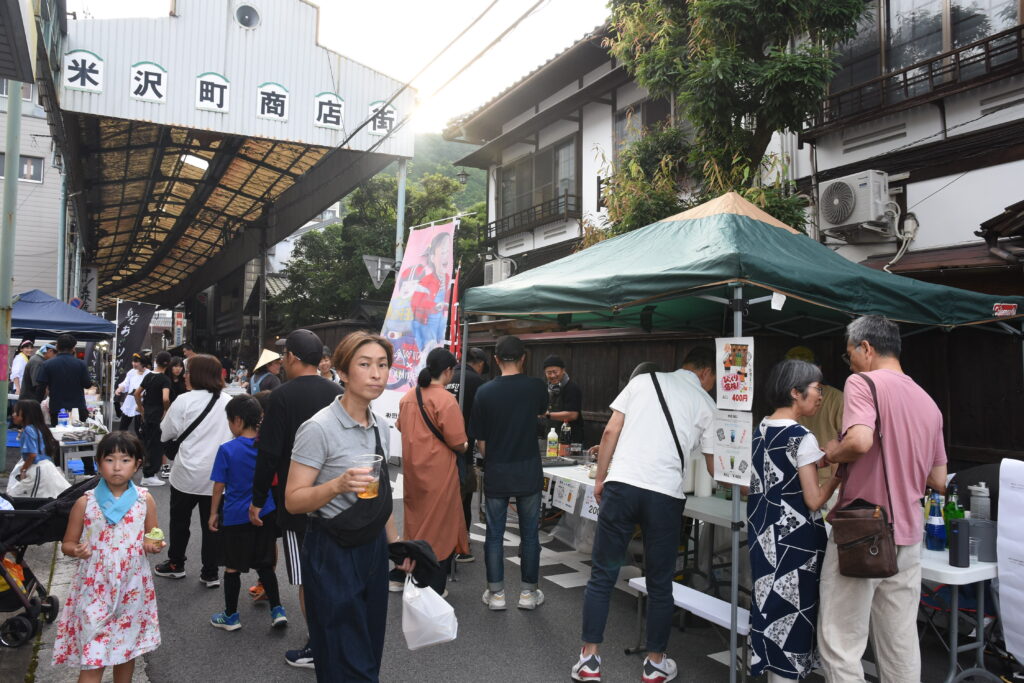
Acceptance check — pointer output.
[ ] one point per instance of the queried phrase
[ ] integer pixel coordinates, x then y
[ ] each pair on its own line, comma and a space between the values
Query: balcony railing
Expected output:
563, 207
991, 58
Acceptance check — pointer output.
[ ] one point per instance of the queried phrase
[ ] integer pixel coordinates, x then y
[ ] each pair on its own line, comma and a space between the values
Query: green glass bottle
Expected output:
952, 510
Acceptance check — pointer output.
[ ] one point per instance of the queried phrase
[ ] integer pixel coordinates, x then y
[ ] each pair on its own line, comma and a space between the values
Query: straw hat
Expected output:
266, 357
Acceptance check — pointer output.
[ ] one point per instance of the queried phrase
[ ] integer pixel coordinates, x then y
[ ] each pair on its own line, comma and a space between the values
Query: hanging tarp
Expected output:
38, 315
659, 277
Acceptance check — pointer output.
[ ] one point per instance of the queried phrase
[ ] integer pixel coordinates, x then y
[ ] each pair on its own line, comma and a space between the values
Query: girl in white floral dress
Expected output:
110, 616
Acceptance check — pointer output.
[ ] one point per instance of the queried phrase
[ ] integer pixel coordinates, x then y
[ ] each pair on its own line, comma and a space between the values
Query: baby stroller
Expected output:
33, 521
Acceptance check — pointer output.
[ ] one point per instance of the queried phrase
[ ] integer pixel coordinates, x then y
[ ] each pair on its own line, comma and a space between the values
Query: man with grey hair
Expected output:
915, 457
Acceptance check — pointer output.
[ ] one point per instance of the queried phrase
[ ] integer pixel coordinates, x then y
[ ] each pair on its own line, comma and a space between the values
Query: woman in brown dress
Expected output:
433, 508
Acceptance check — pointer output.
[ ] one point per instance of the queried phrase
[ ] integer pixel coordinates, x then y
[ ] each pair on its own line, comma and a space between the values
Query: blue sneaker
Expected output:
301, 658
278, 618
225, 621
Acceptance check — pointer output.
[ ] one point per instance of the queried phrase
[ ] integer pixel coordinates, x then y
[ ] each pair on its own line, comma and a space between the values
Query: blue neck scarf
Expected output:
115, 508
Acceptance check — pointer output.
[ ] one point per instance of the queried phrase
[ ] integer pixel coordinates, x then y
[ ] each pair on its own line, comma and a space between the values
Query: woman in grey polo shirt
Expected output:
345, 573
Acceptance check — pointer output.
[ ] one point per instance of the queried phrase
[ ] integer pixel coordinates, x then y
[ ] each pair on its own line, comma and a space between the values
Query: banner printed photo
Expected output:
417, 317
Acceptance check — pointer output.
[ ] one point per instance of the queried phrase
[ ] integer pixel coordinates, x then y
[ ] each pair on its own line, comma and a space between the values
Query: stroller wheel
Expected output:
50, 608
17, 631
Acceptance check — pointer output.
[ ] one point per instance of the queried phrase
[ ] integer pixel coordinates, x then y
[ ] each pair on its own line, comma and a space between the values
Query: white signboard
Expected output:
148, 82
382, 119
590, 507
272, 101
212, 90
1010, 551
566, 493
329, 111
83, 70
735, 371
733, 434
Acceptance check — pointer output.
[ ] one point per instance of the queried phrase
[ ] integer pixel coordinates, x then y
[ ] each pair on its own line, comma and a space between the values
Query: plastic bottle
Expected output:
552, 443
935, 530
952, 511
981, 504
564, 439
62, 418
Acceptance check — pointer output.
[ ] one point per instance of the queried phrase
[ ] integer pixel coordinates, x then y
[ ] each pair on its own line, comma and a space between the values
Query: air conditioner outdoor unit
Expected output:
497, 270
853, 208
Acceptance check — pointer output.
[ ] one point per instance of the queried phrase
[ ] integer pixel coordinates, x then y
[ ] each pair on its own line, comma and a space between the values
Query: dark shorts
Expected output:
292, 542
250, 547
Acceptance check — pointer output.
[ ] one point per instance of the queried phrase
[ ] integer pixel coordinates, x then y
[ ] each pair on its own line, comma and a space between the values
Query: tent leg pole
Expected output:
462, 351
737, 326
7, 225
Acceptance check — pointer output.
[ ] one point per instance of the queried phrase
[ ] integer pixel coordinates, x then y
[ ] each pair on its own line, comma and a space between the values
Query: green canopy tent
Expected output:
689, 271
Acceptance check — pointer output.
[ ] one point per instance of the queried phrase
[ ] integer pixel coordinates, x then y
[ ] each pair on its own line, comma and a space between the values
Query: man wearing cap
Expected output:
504, 424
265, 374
565, 400
20, 361
304, 394
29, 386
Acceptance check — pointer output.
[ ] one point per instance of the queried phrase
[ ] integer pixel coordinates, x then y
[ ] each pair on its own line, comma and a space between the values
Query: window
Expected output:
631, 121
538, 178
860, 58
31, 168
26, 89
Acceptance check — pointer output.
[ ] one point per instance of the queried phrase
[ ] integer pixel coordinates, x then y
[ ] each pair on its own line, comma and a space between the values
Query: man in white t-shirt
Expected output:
644, 486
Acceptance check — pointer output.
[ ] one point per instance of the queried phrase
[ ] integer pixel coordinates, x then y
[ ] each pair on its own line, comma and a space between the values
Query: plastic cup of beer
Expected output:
372, 462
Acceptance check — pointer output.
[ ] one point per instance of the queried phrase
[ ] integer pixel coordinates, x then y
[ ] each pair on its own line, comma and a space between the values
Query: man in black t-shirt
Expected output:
304, 394
154, 398
29, 387
565, 400
504, 423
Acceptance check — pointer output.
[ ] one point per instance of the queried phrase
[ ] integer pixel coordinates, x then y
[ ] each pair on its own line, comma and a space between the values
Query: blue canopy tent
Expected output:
37, 315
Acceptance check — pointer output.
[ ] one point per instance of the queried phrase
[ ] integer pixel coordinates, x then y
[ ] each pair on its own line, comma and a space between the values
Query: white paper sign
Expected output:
566, 493
590, 507
733, 436
735, 371
1010, 551
387, 406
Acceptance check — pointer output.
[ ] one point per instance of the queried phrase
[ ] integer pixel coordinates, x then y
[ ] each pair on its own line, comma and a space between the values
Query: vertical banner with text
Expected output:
133, 318
417, 317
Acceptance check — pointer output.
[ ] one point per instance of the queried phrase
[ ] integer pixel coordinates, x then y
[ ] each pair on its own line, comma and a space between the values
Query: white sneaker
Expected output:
531, 599
494, 601
662, 672
396, 586
153, 481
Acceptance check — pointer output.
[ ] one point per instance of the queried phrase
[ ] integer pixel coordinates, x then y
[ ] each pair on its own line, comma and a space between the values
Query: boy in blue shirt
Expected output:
245, 545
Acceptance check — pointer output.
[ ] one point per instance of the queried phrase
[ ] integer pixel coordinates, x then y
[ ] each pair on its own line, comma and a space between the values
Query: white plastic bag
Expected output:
426, 618
43, 480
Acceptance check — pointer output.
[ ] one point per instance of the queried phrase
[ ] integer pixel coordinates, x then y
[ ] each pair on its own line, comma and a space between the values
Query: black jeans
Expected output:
154, 448
182, 505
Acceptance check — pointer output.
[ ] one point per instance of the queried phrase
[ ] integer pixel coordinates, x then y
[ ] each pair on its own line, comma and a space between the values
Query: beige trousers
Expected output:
850, 609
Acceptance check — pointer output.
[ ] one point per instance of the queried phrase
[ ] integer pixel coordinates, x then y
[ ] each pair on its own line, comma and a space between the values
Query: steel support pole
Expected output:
263, 293
734, 584
462, 372
403, 167
62, 241
7, 225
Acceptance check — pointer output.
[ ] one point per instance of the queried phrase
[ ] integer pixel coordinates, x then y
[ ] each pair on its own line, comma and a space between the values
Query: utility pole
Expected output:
10, 209
400, 213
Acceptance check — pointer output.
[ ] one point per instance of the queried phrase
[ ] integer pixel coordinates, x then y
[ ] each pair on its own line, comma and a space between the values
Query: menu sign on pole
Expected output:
732, 437
735, 371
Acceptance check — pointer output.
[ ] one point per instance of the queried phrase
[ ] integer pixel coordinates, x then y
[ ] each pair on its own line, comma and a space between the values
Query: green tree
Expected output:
739, 71
326, 273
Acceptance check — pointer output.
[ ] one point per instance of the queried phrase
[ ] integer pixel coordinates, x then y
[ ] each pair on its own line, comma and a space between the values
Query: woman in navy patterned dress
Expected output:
785, 532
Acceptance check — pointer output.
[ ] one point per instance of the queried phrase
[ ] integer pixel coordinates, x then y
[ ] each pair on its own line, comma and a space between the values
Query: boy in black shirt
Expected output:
504, 422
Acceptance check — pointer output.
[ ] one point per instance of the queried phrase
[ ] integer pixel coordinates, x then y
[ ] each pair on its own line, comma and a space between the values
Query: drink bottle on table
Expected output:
935, 530
552, 450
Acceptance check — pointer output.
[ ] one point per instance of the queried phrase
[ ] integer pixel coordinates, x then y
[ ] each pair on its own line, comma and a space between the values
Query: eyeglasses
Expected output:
846, 358
817, 388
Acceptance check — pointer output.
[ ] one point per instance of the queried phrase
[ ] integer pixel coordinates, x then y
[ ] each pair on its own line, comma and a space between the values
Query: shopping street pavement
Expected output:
513, 645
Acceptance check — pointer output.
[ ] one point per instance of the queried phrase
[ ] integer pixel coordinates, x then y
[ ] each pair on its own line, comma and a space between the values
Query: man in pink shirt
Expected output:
915, 458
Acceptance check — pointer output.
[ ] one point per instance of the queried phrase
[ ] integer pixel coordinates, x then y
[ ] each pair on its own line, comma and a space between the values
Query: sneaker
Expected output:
301, 658
464, 557
531, 599
153, 481
225, 621
212, 581
278, 618
396, 586
661, 672
257, 592
494, 601
165, 472
169, 570
587, 668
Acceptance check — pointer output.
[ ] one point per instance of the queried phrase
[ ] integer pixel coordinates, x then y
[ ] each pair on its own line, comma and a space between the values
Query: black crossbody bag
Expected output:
361, 523
459, 464
172, 447
671, 424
